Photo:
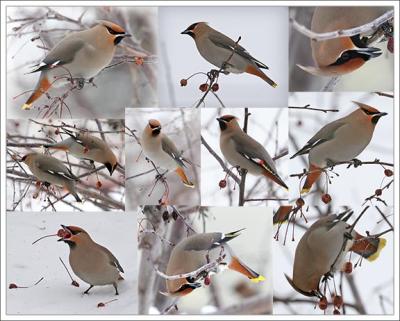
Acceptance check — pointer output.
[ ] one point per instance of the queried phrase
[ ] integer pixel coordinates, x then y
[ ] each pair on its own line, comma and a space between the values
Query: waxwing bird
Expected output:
217, 49
163, 152
91, 262
320, 252
88, 147
339, 141
197, 250
80, 55
342, 55
50, 170
243, 151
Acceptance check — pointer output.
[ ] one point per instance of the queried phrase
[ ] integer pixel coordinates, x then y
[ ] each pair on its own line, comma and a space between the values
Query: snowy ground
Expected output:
27, 263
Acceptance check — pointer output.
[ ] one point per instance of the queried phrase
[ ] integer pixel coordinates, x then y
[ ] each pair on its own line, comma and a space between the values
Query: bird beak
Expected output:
110, 168
126, 35
380, 114
185, 32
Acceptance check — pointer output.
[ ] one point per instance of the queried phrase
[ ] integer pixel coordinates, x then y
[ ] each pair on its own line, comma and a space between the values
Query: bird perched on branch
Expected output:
50, 170
339, 141
162, 151
196, 251
323, 248
341, 55
80, 55
90, 261
243, 151
86, 146
223, 52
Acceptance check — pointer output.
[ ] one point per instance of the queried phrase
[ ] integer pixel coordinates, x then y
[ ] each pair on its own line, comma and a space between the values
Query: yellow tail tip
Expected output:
26, 106
189, 184
258, 279
304, 190
275, 85
381, 245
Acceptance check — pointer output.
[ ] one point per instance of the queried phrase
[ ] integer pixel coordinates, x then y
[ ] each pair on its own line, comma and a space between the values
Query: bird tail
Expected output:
257, 72
70, 187
368, 247
182, 175
43, 85
240, 267
282, 214
275, 177
314, 172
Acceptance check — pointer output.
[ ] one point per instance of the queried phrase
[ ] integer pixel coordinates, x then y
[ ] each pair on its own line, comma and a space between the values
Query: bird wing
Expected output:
254, 151
222, 41
63, 53
55, 167
169, 147
113, 259
324, 134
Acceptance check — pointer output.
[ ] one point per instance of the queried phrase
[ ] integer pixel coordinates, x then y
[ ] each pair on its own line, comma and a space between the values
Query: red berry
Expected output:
222, 183
203, 87
300, 202
12, 286
98, 184
348, 267
326, 198
336, 311
337, 301
139, 61
323, 303
390, 44
101, 305
85, 150
74, 283
378, 192
215, 87
61, 232
57, 131
183, 82
388, 172
207, 280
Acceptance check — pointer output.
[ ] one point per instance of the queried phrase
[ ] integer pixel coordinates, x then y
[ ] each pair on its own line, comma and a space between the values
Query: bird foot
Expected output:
330, 163
327, 276
81, 83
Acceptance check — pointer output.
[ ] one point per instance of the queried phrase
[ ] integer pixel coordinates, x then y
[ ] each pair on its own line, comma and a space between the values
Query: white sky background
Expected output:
27, 263
174, 127
261, 127
119, 87
372, 278
252, 246
27, 128
359, 182
258, 28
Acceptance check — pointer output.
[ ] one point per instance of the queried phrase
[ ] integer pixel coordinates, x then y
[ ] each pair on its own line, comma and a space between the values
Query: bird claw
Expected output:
330, 163
81, 83
356, 162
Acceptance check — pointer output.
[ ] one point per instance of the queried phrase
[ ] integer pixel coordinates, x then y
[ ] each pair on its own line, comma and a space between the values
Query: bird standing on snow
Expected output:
217, 48
91, 262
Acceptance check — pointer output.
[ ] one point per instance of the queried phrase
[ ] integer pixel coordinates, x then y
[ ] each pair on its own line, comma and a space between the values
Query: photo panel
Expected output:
65, 165
163, 156
256, 140
39, 244
359, 58
247, 42
82, 62
197, 260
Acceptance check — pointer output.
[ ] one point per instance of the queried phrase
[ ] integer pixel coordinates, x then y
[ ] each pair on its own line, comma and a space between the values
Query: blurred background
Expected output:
99, 190
183, 127
269, 126
124, 85
376, 74
264, 32
229, 292
367, 290
27, 263
352, 184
